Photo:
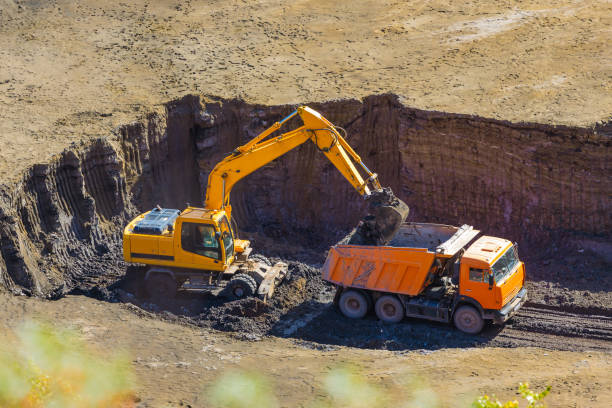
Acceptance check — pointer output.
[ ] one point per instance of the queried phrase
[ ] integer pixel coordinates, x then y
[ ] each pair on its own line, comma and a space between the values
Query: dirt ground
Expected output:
174, 363
74, 70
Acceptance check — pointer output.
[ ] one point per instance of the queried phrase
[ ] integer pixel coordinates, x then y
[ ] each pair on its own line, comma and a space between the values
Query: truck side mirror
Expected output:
491, 281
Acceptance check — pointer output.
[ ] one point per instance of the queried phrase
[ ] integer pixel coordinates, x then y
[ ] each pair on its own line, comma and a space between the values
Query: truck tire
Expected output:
468, 320
161, 285
241, 286
389, 309
353, 304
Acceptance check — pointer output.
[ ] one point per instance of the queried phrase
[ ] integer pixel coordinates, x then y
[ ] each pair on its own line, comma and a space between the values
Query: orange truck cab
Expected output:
430, 271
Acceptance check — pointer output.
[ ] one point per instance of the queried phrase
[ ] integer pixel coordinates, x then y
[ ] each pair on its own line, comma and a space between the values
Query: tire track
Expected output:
557, 329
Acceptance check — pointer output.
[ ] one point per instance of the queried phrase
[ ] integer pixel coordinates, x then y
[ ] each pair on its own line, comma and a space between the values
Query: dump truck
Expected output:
198, 248
430, 271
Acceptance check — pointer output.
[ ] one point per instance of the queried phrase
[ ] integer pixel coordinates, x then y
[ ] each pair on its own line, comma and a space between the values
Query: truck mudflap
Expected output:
506, 312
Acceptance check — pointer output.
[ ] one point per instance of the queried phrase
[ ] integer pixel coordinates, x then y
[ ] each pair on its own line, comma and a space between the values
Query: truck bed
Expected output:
402, 266
438, 238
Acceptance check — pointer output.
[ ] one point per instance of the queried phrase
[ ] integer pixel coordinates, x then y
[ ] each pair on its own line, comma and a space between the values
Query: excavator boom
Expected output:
263, 149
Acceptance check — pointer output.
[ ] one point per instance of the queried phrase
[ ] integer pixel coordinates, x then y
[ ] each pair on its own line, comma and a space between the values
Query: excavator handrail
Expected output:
261, 150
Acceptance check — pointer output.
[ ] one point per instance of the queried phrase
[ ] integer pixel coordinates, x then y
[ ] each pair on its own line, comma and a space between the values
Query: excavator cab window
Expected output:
200, 239
227, 237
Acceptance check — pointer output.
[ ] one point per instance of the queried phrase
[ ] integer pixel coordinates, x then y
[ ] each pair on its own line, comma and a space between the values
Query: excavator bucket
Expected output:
387, 214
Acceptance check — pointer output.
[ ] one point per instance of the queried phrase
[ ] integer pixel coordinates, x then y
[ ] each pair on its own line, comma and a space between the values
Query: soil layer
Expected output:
75, 70
61, 225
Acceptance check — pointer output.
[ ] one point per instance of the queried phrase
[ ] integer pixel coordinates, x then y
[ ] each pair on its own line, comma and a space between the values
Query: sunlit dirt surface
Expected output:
73, 70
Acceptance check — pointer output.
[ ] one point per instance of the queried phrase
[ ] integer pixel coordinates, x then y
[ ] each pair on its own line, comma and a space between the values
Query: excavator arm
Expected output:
262, 150
387, 212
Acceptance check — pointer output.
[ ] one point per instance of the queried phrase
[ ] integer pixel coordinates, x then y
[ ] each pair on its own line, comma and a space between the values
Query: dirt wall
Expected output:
61, 224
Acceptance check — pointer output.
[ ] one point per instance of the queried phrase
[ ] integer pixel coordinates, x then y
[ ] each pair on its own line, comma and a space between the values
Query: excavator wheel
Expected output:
353, 304
241, 286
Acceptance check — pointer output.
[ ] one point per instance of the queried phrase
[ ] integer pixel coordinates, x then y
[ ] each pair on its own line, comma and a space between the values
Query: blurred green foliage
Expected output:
344, 387
41, 366
237, 389
533, 399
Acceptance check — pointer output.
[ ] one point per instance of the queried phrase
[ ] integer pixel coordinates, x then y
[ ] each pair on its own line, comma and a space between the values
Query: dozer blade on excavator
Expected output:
387, 214
265, 277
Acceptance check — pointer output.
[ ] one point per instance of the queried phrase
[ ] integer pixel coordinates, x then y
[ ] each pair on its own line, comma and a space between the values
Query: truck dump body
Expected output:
384, 269
401, 267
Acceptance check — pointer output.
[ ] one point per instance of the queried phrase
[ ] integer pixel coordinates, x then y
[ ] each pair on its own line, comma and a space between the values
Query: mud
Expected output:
543, 186
302, 310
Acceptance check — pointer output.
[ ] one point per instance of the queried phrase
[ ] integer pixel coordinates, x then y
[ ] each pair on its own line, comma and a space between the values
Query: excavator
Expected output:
197, 248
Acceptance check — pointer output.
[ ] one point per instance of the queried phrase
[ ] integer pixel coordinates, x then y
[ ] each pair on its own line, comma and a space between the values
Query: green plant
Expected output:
348, 389
345, 387
533, 399
237, 389
46, 367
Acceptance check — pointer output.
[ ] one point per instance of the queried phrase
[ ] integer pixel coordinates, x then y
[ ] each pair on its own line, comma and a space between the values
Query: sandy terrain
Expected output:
72, 70
175, 363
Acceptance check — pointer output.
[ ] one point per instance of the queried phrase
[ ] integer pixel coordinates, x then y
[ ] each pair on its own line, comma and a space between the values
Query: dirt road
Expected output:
174, 363
74, 70
302, 309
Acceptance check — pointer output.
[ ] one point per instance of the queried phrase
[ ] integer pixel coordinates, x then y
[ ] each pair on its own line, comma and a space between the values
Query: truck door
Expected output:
474, 283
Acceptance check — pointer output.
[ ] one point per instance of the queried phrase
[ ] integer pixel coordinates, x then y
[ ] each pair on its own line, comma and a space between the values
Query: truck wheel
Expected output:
468, 320
161, 285
389, 309
241, 286
353, 304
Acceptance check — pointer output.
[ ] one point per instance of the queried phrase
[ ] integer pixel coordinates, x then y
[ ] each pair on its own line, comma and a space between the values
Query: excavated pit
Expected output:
545, 187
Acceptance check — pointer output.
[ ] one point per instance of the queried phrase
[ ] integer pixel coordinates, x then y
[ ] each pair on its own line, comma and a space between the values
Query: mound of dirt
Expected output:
254, 317
248, 316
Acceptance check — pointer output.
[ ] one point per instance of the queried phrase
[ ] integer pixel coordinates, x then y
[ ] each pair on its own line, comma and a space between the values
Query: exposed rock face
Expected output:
62, 224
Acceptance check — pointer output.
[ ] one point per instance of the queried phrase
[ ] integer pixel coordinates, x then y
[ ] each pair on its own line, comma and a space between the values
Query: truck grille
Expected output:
510, 295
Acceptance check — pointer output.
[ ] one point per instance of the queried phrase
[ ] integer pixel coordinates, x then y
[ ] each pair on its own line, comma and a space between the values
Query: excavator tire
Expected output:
241, 286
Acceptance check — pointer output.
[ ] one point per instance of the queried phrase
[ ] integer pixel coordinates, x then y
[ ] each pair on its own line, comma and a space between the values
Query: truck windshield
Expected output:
506, 264
227, 237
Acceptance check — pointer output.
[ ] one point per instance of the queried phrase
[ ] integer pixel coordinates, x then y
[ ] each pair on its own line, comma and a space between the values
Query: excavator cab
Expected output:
205, 239
201, 239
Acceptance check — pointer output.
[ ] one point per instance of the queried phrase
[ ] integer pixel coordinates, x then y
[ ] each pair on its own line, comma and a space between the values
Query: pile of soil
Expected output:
254, 317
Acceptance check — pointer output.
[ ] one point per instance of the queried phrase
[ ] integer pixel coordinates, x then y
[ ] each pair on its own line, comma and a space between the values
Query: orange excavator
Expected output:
197, 248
